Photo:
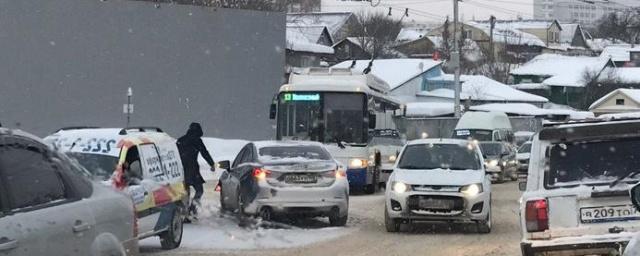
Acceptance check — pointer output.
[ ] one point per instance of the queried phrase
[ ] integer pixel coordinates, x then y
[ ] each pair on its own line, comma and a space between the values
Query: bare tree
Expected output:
598, 84
623, 26
376, 33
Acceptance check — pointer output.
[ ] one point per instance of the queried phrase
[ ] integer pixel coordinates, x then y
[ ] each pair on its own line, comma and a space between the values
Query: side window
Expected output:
151, 166
30, 177
239, 157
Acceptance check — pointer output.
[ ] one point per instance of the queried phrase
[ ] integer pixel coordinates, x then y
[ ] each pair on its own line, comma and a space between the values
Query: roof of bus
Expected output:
104, 141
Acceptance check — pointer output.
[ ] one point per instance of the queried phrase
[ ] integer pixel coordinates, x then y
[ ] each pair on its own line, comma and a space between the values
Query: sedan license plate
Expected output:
430, 203
608, 214
300, 179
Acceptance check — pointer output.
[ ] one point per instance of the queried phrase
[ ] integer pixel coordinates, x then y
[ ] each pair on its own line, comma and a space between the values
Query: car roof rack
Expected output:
77, 128
140, 129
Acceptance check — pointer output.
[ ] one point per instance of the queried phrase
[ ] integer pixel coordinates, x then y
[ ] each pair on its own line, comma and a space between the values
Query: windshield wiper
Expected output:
631, 174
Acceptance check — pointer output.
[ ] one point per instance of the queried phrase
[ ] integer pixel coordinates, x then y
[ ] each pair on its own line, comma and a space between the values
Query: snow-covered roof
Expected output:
395, 72
523, 24
524, 109
633, 94
508, 33
305, 40
334, 21
407, 34
619, 53
428, 109
569, 31
482, 88
530, 86
599, 44
562, 70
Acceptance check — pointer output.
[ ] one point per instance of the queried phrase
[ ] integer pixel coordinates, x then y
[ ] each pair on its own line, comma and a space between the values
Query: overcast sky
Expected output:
436, 10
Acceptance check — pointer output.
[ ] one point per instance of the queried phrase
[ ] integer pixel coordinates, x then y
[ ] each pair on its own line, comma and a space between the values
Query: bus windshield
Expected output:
323, 117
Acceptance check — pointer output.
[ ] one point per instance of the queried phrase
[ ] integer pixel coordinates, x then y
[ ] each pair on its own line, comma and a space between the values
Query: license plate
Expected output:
301, 179
430, 203
608, 214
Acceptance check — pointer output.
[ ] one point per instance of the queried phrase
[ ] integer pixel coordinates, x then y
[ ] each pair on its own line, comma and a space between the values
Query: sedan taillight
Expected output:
537, 215
261, 174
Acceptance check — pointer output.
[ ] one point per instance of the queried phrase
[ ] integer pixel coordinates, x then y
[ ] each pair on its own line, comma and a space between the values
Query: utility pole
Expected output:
128, 108
455, 56
492, 20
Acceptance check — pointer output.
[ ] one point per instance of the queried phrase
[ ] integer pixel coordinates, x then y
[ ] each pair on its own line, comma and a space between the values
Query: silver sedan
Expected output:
270, 178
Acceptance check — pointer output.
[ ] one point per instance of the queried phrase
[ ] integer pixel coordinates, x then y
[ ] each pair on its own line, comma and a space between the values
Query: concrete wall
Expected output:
70, 62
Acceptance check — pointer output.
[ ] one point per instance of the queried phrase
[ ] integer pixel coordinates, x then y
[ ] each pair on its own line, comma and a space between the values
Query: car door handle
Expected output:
81, 226
8, 244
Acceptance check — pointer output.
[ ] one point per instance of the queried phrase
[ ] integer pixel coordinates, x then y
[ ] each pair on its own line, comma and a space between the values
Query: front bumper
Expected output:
466, 208
302, 200
579, 245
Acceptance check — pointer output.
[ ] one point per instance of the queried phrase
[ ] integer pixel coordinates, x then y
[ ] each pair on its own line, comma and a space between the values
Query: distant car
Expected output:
500, 160
523, 154
389, 143
49, 206
576, 200
439, 180
484, 126
270, 178
143, 162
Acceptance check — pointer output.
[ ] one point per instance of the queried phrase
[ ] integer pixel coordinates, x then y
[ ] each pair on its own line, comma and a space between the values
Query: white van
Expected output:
143, 162
484, 126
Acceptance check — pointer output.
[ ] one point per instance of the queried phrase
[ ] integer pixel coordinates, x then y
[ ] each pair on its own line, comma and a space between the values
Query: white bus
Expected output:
337, 107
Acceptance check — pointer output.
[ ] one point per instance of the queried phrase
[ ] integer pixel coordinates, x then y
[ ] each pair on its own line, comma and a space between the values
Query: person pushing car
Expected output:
189, 146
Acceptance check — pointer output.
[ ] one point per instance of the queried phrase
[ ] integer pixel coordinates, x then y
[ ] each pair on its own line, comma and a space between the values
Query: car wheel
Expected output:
336, 220
266, 214
172, 238
484, 227
391, 224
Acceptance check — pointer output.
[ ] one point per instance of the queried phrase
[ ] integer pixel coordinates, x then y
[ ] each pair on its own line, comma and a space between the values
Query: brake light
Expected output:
536, 215
218, 188
260, 173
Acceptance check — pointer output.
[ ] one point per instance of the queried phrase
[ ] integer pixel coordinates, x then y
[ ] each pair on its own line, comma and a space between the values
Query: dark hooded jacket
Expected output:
189, 146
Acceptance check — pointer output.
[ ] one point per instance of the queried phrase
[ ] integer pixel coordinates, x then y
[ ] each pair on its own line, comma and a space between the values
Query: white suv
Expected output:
577, 191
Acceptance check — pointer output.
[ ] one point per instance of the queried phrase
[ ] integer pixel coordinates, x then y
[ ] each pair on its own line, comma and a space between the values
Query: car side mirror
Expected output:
225, 165
635, 195
272, 111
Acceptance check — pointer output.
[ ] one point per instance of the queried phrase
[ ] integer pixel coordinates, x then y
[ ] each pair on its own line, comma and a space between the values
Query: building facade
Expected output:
583, 12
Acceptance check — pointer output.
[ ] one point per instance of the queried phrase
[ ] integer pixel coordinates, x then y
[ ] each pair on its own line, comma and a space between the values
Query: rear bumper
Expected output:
580, 245
358, 177
310, 200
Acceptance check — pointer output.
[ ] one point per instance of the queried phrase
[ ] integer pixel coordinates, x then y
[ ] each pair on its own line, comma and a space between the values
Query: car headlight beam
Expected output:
400, 187
471, 190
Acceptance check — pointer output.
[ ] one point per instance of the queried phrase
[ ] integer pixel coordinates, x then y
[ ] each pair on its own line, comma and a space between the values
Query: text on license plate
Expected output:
301, 179
608, 213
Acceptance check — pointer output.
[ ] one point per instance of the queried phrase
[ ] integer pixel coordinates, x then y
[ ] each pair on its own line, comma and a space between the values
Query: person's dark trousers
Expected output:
196, 198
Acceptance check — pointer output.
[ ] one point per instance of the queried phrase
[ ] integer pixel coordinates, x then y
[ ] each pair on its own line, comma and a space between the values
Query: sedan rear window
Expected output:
293, 152
439, 156
592, 162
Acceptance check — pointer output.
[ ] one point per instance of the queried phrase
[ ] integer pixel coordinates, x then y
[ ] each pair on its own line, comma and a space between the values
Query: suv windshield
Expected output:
491, 149
439, 156
100, 166
525, 148
293, 152
592, 162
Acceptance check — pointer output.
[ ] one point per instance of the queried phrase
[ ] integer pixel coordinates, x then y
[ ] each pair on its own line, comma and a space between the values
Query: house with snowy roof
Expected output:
337, 23
422, 80
351, 48
307, 46
617, 101
623, 55
559, 78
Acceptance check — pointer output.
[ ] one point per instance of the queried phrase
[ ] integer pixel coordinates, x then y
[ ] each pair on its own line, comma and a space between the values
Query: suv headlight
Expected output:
357, 163
471, 190
392, 158
400, 187
492, 163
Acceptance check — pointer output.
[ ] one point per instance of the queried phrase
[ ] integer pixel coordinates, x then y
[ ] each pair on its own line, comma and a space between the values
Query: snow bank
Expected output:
213, 232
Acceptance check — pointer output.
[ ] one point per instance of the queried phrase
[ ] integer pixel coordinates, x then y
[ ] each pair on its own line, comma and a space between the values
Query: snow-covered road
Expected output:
365, 234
